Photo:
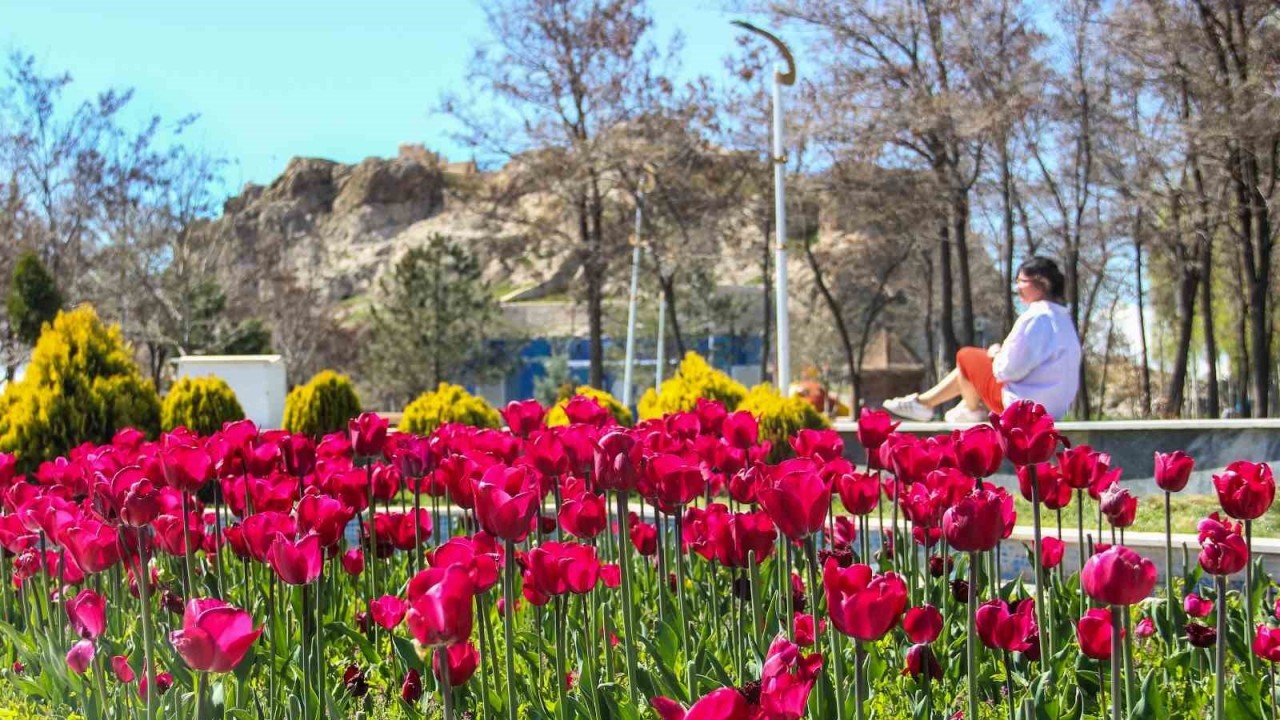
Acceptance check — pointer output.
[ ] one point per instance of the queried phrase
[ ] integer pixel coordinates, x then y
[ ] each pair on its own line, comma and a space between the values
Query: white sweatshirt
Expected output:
1040, 360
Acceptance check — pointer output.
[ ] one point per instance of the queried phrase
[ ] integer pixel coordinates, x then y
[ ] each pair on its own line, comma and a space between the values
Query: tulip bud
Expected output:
921, 661
172, 602
940, 565
1173, 470
80, 656
411, 688
960, 591
1145, 629
354, 680
1201, 636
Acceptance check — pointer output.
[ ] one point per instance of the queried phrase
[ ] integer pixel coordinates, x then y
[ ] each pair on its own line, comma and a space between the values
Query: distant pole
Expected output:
780, 78
628, 368
629, 364
780, 244
662, 341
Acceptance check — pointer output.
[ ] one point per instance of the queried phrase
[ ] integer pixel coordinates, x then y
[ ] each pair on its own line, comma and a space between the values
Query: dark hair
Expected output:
1047, 272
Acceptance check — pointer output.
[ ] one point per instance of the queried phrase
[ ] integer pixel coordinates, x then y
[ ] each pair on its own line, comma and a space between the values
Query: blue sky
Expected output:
272, 79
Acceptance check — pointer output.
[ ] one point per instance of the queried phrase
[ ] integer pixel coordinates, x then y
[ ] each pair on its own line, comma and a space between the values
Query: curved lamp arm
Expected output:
787, 78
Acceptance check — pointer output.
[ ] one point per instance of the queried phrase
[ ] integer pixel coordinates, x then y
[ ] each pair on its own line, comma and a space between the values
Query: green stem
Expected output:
690, 690
186, 546
321, 668
628, 612
757, 607
971, 663
1117, 652
1220, 654
148, 639
1038, 567
446, 686
373, 532
1008, 682
201, 679
859, 682
1248, 589
1168, 567
562, 709
812, 552
508, 633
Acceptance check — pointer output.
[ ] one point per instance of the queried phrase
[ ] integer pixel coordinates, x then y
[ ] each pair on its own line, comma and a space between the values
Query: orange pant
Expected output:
977, 367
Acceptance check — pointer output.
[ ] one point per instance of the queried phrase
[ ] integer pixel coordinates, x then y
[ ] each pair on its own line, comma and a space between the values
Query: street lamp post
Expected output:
780, 78
628, 368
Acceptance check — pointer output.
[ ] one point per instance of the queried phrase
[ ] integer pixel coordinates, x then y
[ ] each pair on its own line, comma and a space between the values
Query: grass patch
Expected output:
1185, 511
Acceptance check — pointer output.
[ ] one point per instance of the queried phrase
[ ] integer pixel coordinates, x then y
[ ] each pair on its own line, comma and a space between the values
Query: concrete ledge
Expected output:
1132, 444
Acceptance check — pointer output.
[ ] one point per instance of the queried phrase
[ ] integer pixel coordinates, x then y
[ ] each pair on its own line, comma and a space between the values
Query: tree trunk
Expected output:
1240, 374
1006, 203
1106, 358
950, 343
1259, 290
1142, 319
960, 231
931, 362
1186, 299
668, 284
846, 341
1212, 408
1071, 274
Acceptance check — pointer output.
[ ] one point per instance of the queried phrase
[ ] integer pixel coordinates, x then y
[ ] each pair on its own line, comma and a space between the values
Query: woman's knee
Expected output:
965, 356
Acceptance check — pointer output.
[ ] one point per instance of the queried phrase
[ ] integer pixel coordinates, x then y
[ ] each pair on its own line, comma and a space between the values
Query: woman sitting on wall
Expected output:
1040, 360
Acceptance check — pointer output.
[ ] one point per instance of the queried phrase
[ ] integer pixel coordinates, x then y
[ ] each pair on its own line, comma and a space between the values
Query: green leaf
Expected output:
1152, 704
408, 654
338, 629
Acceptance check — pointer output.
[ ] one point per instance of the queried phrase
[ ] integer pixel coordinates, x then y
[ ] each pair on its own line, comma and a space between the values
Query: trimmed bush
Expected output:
448, 404
200, 404
322, 406
781, 417
695, 379
80, 386
620, 412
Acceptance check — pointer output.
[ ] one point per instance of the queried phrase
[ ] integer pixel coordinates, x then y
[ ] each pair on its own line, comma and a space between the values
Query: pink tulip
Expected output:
120, 666
296, 562
88, 614
215, 636
1173, 470
786, 679
797, 499
388, 611
81, 655
1118, 576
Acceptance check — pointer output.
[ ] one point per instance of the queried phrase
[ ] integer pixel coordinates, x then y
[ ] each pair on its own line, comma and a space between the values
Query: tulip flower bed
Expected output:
595, 571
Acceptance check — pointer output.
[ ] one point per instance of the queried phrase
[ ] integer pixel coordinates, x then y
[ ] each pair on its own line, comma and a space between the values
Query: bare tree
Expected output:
560, 76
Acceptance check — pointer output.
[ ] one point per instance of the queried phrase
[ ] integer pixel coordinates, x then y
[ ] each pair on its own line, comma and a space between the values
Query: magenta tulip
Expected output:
215, 636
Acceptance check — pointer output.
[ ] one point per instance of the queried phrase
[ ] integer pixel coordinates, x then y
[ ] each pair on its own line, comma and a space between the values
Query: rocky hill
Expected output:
335, 227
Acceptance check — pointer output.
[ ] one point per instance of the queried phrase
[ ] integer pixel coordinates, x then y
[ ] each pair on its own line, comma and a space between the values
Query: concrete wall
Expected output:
258, 380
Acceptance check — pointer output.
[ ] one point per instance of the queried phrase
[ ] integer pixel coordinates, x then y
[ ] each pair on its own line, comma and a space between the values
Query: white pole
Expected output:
629, 365
780, 252
662, 340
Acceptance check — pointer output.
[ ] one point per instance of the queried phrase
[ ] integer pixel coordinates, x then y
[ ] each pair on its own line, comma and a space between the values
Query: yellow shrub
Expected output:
200, 404
781, 417
322, 406
80, 386
695, 379
619, 411
446, 404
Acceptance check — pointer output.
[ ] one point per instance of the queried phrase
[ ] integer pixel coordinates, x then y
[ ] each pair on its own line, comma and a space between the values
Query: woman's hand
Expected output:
993, 350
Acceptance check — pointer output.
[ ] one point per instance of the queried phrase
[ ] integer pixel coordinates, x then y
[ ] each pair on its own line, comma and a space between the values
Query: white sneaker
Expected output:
961, 415
909, 407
